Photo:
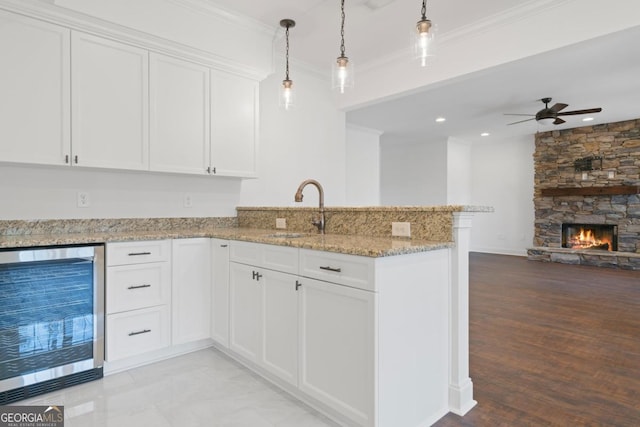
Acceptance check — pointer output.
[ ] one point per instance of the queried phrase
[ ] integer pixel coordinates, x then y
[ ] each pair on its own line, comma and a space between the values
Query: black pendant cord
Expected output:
424, 10
287, 53
342, 33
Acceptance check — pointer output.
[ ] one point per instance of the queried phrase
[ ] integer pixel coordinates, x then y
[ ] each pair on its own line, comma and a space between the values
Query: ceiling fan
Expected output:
551, 115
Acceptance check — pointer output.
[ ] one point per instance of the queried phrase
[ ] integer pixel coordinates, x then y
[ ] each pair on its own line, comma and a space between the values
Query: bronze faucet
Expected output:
298, 198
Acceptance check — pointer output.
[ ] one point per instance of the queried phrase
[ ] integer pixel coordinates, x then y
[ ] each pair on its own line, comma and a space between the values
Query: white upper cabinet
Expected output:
179, 107
110, 99
34, 83
73, 98
234, 125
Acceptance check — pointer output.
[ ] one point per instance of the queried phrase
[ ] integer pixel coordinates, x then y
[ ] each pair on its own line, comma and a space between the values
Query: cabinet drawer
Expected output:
138, 252
130, 287
349, 270
136, 332
273, 257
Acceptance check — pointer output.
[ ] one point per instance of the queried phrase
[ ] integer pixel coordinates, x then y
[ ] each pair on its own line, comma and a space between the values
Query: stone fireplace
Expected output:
588, 177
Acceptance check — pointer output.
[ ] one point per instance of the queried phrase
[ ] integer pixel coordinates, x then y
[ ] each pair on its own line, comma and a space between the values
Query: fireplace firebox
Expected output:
590, 236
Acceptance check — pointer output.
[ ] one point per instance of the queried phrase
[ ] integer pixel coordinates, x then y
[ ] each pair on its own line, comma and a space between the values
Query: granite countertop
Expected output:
340, 243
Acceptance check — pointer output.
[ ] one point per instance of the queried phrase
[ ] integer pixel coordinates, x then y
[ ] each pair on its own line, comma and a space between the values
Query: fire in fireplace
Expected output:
590, 236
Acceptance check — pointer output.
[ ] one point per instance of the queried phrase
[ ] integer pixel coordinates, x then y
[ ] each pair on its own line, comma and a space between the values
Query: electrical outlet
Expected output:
281, 223
188, 200
83, 199
401, 229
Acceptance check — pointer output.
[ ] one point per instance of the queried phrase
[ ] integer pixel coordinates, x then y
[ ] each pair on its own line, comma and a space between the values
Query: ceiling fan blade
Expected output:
576, 112
558, 106
521, 121
515, 114
558, 121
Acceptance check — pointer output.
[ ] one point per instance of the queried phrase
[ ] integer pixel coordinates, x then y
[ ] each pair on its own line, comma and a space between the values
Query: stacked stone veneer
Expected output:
619, 146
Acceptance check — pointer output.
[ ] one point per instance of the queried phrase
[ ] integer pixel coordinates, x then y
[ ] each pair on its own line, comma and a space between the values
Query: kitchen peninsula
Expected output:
368, 328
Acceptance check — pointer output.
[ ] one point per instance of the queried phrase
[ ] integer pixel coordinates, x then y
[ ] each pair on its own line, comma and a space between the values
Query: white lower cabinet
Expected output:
245, 303
337, 347
279, 353
191, 290
138, 297
220, 291
135, 332
264, 311
363, 339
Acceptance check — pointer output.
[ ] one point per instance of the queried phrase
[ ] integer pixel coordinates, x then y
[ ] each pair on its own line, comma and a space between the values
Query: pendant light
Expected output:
342, 71
424, 37
287, 95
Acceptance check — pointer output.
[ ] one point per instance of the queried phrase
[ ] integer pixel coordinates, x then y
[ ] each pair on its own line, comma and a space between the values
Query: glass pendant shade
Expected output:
424, 41
342, 74
287, 95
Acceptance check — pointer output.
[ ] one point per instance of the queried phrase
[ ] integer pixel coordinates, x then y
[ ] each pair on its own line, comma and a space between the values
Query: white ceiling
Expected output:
602, 72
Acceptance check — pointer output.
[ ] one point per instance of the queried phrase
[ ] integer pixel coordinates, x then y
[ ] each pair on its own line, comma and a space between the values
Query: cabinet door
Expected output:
34, 83
130, 287
234, 125
279, 325
245, 311
337, 347
191, 290
179, 108
137, 332
110, 117
220, 291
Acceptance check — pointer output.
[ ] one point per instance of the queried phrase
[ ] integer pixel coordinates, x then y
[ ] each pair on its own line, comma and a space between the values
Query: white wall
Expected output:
502, 177
363, 166
493, 173
37, 192
305, 142
413, 172
458, 172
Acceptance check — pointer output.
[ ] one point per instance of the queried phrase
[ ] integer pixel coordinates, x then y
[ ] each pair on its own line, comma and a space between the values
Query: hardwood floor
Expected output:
552, 344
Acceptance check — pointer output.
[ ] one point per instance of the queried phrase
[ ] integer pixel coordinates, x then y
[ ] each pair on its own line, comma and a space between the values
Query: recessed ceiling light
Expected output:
587, 119
485, 134
377, 4
441, 119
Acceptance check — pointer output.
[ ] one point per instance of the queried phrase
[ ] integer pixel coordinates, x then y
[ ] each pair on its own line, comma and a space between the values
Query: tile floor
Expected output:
205, 388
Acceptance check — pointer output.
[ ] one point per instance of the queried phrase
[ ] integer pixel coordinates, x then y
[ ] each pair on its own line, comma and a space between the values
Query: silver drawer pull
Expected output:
139, 287
337, 270
139, 253
144, 331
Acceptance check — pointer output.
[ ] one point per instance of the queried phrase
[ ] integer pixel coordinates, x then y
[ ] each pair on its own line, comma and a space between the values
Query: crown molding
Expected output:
46, 10
207, 7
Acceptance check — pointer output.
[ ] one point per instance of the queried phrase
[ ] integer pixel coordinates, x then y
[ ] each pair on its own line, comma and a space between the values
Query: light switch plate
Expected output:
281, 223
401, 229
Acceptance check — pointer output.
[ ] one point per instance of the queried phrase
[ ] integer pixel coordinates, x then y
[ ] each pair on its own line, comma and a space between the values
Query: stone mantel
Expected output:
590, 191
